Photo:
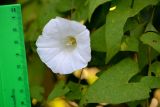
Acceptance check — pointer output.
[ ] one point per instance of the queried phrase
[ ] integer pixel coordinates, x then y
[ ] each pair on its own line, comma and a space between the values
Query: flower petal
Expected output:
83, 38
63, 26
85, 53
66, 63
46, 54
83, 45
77, 28
68, 27
50, 28
78, 62
48, 42
61, 63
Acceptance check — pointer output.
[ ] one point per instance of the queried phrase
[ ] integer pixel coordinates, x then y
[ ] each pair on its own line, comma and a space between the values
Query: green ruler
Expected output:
14, 90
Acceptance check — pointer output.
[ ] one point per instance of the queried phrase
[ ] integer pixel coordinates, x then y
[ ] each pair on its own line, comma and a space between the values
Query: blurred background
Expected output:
36, 13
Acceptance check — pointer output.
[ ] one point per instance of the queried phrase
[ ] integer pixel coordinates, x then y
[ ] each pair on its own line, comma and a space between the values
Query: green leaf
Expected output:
80, 8
134, 103
116, 94
98, 59
32, 32
130, 44
98, 40
152, 39
30, 13
66, 5
137, 30
151, 81
22, 1
130, 41
115, 88
59, 90
37, 92
115, 22
48, 12
36, 70
155, 68
93, 4
143, 55
119, 73
75, 91
80, 13
150, 27
35, 67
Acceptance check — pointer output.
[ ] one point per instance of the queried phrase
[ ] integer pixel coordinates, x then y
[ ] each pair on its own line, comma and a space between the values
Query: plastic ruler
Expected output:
14, 90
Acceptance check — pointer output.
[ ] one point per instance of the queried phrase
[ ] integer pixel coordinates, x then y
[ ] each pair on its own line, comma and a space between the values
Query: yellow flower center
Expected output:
71, 41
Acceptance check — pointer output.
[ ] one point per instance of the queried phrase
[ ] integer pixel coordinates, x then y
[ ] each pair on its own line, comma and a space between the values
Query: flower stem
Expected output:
149, 71
147, 103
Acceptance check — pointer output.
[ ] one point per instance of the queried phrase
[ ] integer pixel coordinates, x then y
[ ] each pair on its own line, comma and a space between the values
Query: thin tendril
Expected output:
80, 76
149, 56
149, 48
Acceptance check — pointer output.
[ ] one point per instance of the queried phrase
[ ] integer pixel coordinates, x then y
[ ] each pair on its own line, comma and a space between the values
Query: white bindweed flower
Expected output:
64, 45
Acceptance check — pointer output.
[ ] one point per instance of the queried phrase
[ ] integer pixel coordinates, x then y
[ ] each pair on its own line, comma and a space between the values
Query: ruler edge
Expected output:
21, 36
24, 53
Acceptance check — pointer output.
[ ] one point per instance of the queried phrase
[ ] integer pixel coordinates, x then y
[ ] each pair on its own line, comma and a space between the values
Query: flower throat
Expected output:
71, 41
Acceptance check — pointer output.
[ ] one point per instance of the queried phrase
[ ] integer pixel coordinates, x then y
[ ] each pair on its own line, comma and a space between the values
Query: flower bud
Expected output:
34, 101
58, 102
89, 74
154, 102
157, 95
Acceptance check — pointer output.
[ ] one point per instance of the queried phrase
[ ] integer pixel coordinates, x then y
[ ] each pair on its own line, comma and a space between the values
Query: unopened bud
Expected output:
34, 101
157, 95
89, 74
154, 102
58, 102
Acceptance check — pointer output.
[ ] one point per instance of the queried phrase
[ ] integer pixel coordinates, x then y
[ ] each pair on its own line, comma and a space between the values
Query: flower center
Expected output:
71, 41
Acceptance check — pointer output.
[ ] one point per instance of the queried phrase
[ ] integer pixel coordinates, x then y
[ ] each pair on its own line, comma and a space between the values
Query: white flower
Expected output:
64, 45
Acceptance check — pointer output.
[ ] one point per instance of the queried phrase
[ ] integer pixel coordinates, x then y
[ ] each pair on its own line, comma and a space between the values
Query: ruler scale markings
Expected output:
13, 71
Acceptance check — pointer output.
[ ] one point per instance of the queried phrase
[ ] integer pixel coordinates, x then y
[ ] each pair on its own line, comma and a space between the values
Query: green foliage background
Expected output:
125, 45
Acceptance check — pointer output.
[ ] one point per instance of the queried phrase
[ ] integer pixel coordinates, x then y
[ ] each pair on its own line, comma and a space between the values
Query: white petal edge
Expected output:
69, 27
46, 54
48, 42
61, 63
83, 45
50, 28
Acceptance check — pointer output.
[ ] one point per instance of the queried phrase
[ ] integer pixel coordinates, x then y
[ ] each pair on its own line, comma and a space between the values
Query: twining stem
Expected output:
80, 77
149, 61
147, 102
149, 55
149, 48
132, 4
